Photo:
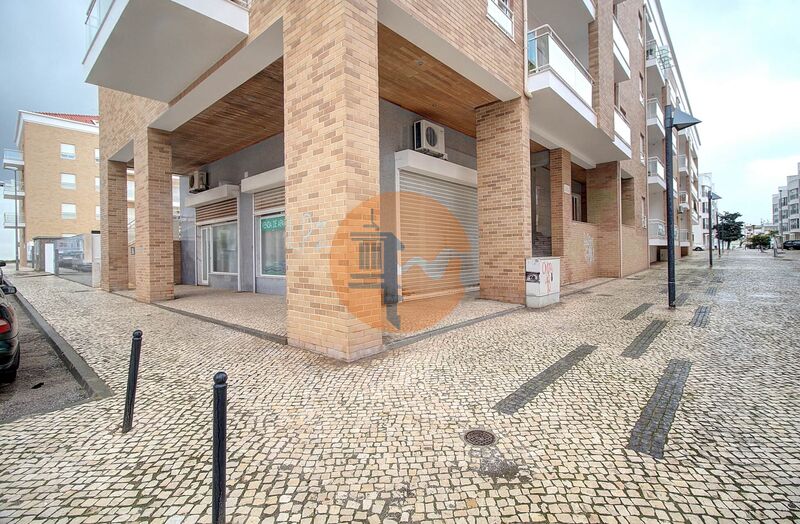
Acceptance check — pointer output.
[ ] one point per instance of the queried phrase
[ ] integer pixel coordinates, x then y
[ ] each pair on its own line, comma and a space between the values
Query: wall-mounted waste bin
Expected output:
542, 281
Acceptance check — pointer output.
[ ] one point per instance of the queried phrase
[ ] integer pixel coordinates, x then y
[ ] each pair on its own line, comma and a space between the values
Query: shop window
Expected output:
224, 248
273, 245
579, 202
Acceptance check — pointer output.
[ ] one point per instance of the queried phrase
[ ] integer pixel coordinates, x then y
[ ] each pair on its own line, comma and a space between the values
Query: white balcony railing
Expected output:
546, 52
621, 127
12, 155
11, 220
12, 190
654, 110
655, 168
651, 51
683, 165
684, 235
621, 44
683, 198
657, 229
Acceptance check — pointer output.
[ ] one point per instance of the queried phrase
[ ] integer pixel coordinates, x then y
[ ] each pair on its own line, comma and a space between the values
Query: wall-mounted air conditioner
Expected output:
429, 138
198, 181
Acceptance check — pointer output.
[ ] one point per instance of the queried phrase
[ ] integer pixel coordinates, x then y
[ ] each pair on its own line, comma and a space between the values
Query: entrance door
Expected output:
204, 256
50, 258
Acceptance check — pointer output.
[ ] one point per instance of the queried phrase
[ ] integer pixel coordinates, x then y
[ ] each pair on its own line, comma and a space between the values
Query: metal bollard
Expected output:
219, 437
133, 377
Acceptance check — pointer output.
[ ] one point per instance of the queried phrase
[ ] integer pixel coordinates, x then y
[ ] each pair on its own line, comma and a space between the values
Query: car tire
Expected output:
10, 374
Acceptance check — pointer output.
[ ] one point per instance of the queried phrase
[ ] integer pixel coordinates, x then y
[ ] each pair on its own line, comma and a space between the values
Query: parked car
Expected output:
9, 341
698, 248
791, 244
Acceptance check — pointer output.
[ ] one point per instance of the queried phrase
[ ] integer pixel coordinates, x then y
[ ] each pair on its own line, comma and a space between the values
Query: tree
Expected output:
729, 228
761, 241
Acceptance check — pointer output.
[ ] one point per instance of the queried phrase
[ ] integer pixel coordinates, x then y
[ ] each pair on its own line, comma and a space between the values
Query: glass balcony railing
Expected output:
11, 189
651, 51
657, 229
683, 198
546, 52
11, 219
684, 235
683, 165
12, 155
655, 168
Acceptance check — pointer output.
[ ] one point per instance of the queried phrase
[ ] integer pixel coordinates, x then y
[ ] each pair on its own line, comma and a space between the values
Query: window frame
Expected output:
75, 206
68, 157
74, 181
267, 213
212, 270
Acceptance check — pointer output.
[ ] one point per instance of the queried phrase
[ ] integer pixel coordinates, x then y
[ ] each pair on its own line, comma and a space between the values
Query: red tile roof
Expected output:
83, 119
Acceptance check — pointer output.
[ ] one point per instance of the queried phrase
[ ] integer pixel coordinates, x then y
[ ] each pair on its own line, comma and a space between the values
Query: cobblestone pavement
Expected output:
381, 440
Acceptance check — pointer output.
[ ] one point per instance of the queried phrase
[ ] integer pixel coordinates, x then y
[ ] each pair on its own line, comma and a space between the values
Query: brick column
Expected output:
113, 226
504, 198
152, 157
604, 209
561, 206
331, 154
601, 65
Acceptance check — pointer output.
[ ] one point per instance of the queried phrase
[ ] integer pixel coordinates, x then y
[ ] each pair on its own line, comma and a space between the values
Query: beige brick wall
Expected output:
44, 195
114, 266
154, 250
331, 151
601, 65
504, 198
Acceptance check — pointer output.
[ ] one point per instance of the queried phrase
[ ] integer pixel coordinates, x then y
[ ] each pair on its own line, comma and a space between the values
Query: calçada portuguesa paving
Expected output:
567, 391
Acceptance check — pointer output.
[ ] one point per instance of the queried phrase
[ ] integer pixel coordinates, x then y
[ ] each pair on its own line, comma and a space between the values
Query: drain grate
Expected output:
480, 437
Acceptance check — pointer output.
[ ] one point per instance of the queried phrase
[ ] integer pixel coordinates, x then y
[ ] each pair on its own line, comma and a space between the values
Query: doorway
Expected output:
204, 256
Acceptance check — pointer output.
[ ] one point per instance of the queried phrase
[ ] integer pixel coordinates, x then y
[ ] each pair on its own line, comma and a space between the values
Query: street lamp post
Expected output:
711, 197
780, 218
16, 219
673, 119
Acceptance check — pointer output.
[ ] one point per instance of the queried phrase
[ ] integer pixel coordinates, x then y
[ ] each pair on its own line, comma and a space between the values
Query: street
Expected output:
605, 408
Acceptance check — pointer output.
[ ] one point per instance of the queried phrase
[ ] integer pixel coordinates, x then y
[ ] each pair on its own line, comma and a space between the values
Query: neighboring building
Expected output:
664, 86
705, 227
786, 208
296, 113
57, 189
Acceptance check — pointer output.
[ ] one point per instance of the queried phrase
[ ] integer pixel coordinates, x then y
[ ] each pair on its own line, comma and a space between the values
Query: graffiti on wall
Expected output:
588, 248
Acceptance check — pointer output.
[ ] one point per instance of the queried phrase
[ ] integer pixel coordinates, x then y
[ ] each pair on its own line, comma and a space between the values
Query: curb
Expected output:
83, 373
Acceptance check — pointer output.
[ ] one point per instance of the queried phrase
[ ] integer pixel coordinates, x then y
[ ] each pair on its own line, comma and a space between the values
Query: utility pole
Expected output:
16, 219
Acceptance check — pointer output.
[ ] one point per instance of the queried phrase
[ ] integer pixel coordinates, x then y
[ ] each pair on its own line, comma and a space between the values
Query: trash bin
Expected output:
542, 281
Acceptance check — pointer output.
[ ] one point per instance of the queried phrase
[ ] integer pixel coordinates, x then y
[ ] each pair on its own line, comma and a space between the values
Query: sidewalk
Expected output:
313, 440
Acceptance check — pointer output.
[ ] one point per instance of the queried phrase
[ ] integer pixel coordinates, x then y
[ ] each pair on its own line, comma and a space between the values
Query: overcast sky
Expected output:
43, 42
738, 58
740, 63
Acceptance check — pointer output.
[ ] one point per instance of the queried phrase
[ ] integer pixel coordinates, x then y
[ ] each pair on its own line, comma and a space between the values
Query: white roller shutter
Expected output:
462, 202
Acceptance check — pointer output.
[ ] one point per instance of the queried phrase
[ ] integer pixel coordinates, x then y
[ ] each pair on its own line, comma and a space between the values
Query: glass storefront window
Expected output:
273, 245
224, 246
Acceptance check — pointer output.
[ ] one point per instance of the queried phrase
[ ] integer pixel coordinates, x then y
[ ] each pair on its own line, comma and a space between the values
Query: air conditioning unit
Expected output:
429, 138
198, 181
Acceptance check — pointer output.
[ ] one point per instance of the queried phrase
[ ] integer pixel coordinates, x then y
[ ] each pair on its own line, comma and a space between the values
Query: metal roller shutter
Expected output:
216, 211
270, 198
418, 226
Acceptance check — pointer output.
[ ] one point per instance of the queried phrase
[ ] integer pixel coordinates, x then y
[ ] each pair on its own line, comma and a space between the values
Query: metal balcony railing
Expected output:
657, 229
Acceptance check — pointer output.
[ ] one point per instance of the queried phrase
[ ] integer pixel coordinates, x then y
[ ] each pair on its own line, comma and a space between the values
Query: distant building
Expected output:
786, 208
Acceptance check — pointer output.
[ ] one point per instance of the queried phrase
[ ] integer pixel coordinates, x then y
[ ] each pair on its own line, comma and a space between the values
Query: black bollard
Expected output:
219, 437
133, 377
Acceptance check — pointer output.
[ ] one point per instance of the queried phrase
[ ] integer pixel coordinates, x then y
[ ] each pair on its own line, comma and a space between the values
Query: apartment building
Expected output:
665, 86
705, 227
786, 208
56, 187
293, 120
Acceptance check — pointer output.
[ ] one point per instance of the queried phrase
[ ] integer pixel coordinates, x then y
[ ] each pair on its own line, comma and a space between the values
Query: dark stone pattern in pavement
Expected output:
652, 429
640, 344
681, 299
526, 392
634, 313
701, 315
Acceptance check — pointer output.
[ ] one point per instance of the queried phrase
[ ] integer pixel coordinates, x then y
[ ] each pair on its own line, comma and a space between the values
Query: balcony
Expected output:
11, 191
499, 13
561, 93
622, 130
156, 49
12, 159
622, 55
10, 221
657, 232
683, 200
695, 216
683, 164
655, 119
684, 237
656, 173
655, 73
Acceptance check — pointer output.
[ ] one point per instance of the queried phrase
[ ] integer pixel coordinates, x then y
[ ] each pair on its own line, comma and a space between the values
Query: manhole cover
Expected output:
479, 437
